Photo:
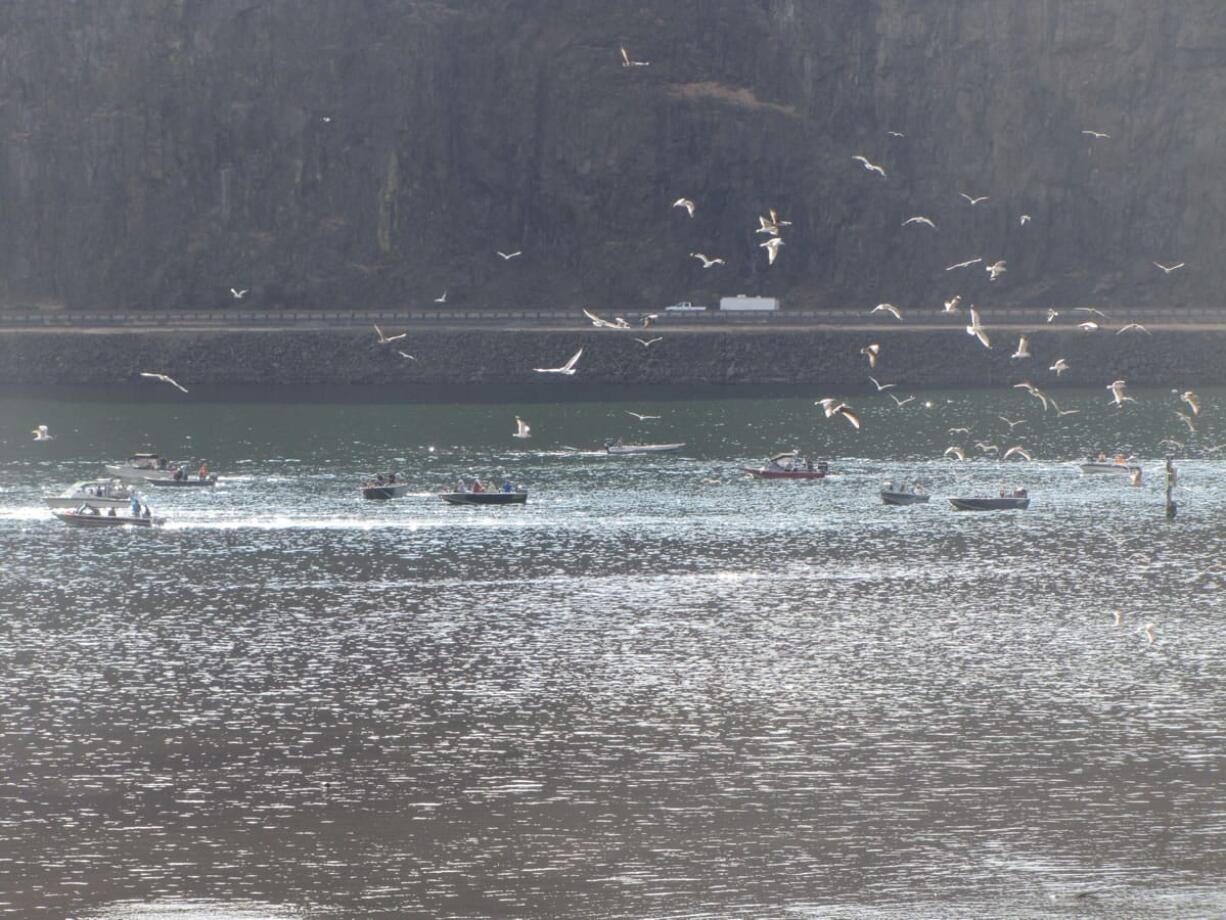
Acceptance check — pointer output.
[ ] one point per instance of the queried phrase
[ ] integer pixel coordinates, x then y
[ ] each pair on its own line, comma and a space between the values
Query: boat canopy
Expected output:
786, 455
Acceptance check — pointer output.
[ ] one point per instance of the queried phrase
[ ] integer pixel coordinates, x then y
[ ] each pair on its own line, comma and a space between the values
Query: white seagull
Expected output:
627, 61
1059, 367
508, 256
1097, 135
871, 167
385, 339
881, 386
835, 407
957, 452
976, 329
772, 248
995, 270
706, 263
42, 434
1148, 630
887, 308
951, 305
640, 416
1024, 219
647, 343
239, 295
895, 134
919, 220
1192, 400
1167, 269
405, 355
967, 264
871, 352
973, 201
164, 379
685, 203
1117, 392
1017, 449
522, 429
1052, 314
900, 402
442, 299
1088, 326
568, 368
1023, 348
604, 323
1012, 424
1133, 327
1094, 310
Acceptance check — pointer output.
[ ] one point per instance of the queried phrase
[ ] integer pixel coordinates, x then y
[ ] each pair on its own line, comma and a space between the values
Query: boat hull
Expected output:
72, 519
484, 498
990, 504
1107, 469
385, 492
761, 473
614, 450
188, 482
903, 498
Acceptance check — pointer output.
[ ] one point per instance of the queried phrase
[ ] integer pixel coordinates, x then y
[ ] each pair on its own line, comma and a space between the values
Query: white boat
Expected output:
157, 470
101, 493
88, 515
1104, 467
617, 446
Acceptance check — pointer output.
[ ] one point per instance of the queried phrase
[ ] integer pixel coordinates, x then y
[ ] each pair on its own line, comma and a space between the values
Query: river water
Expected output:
659, 689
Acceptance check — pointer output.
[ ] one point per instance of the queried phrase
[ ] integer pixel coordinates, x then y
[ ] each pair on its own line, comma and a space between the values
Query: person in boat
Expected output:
178, 474
477, 487
506, 486
808, 464
203, 472
146, 513
459, 485
110, 512
135, 505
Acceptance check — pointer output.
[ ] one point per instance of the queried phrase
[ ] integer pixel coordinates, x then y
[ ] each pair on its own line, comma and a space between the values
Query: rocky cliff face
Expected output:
344, 153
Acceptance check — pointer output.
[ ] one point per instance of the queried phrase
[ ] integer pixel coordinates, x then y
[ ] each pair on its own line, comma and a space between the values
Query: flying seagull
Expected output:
164, 379
967, 264
1148, 630
508, 256
1023, 348
959, 431
1052, 314
1012, 424
881, 386
895, 134
772, 248
604, 323
976, 329
871, 352
568, 368
385, 339
835, 407
706, 263
1167, 269
405, 355
951, 305
1192, 400
1187, 420
1133, 327
995, 270
627, 61
1094, 310
1097, 135
956, 452
239, 295
1024, 219
442, 299
42, 434
1017, 449
887, 308
685, 203
1033, 391
640, 416
647, 343
1059, 367
919, 220
900, 402
1117, 392
871, 167
987, 448
973, 201
522, 429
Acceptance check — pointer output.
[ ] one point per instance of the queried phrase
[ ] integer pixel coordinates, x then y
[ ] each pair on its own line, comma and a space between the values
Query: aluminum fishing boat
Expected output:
902, 493
617, 446
517, 497
1017, 500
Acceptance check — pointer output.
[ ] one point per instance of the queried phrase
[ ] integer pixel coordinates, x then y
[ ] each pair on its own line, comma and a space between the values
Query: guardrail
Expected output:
573, 317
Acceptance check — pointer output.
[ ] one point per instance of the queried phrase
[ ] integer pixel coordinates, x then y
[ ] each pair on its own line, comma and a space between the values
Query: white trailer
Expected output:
742, 302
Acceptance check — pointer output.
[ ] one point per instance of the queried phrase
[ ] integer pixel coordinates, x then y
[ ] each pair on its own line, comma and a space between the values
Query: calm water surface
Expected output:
660, 689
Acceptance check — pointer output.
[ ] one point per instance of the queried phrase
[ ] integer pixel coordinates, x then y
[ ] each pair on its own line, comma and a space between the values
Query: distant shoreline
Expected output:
686, 357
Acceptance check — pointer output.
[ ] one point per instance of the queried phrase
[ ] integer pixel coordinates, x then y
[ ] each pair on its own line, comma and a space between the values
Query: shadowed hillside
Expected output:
376, 153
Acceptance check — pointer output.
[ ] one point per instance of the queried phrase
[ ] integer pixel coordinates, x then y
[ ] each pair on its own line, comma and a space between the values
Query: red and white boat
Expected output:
789, 465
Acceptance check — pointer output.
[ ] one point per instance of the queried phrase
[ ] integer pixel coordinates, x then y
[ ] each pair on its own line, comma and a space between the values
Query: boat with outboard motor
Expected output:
384, 486
158, 471
1017, 500
789, 465
518, 497
1102, 465
86, 515
903, 493
102, 493
617, 446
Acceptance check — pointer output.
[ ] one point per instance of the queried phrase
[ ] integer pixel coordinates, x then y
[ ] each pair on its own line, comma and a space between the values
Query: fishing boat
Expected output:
155, 469
86, 515
518, 497
617, 446
185, 482
101, 493
1017, 500
384, 486
902, 493
1102, 466
788, 465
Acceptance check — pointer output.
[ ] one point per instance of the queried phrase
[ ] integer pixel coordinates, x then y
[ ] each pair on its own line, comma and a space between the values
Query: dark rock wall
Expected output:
377, 152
